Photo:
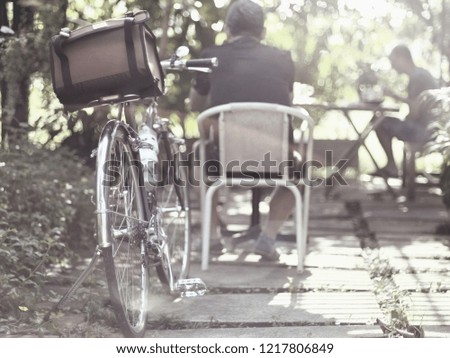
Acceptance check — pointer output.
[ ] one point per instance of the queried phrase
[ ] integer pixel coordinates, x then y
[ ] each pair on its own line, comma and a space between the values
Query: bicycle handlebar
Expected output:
201, 64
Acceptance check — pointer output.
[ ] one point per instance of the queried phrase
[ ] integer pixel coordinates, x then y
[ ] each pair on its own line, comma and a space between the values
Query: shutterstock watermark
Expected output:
252, 171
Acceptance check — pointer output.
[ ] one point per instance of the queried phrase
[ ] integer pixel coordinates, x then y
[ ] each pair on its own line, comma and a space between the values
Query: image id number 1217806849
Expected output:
295, 348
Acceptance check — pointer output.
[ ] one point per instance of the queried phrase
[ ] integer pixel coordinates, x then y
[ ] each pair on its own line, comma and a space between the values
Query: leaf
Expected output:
23, 308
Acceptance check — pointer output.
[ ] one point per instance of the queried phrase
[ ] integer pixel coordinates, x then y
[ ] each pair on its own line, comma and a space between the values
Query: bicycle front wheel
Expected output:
121, 229
174, 214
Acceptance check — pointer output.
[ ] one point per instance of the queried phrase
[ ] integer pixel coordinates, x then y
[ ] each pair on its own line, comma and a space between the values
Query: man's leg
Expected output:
281, 205
389, 129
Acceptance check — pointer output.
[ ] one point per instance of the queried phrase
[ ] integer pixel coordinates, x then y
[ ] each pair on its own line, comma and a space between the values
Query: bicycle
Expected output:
140, 226
142, 208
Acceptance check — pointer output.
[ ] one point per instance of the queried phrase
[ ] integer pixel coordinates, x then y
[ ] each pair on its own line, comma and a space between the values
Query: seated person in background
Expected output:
248, 71
413, 127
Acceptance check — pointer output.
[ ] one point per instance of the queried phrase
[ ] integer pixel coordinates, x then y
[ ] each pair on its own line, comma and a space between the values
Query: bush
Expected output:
435, 105
45, 213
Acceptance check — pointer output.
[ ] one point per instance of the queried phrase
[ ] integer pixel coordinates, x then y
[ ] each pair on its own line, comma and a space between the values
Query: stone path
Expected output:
344, 288
369, 258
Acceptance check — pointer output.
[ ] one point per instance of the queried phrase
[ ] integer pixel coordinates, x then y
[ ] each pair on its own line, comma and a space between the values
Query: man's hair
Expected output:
401, 51
245, 17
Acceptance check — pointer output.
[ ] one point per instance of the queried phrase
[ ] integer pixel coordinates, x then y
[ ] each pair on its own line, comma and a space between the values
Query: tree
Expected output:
433, 16
329, 39
24, 53
14, 90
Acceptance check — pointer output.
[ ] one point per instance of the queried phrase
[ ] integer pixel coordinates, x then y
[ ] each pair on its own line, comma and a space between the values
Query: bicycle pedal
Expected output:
190, 287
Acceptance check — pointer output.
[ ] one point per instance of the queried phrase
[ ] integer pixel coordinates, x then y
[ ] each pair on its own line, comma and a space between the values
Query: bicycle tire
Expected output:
174, 213
121, 229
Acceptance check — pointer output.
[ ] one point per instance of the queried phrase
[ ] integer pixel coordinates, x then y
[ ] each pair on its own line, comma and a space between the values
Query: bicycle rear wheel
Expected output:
174, 225
121, 229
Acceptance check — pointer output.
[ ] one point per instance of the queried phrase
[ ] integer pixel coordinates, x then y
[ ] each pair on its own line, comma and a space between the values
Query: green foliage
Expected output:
45, 210
435, 105
328, 39
26, 53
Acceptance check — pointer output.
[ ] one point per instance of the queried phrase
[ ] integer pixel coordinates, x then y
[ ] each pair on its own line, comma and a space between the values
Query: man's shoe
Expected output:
250, 234
216, 246
265, 247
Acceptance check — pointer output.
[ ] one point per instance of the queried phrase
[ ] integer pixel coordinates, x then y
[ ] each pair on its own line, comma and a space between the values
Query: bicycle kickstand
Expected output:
75, 286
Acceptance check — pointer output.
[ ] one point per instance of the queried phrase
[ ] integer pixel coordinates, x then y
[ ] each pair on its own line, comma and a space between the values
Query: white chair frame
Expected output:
207, 192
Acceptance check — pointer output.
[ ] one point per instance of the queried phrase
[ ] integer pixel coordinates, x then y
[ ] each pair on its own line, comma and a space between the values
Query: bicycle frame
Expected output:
110, 130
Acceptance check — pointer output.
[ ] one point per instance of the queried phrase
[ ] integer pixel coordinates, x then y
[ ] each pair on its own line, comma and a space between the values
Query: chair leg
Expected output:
299, 229
404, 167
206, 223
410, 166
256, 198
306, 201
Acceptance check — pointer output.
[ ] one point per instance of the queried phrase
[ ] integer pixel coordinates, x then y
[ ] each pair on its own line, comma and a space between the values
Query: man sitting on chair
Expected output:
248, 71
413, 128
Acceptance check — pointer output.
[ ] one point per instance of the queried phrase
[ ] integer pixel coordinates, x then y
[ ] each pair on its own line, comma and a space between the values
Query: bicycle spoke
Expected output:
174, 219
126, 273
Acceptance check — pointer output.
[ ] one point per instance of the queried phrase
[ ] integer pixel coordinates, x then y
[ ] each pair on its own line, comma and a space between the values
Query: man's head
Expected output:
245, 18
401, 59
